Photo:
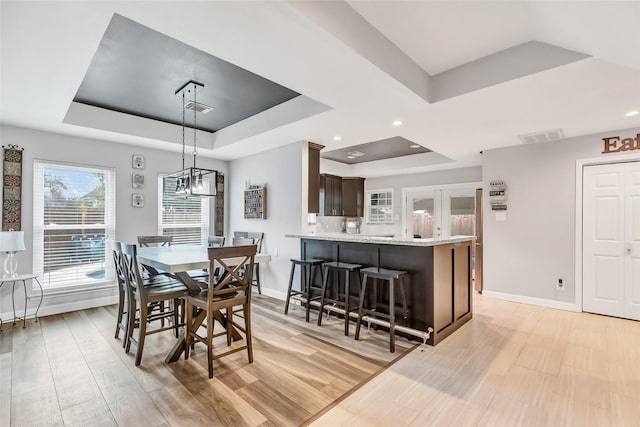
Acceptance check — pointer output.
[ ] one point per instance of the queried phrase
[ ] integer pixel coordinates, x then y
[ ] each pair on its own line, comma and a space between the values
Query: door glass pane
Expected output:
463, 218
423, 210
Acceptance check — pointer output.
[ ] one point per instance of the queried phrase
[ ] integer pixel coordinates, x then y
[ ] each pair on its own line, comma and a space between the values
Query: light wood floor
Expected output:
513, 365
69, 370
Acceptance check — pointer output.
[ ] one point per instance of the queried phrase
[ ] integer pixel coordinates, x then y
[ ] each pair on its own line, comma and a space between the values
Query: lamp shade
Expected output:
11, 241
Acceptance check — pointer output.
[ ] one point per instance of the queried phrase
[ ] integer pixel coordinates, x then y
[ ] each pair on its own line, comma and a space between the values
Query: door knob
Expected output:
628, 251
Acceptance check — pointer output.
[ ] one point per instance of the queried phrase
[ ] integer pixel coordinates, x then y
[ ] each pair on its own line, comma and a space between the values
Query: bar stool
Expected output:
338, 268
308, 268
390, 276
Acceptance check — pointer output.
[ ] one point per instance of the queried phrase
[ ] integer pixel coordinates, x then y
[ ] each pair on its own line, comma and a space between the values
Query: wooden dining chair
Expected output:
145, 296
218, 300
147, 241
243, 237
123, 301
216, 241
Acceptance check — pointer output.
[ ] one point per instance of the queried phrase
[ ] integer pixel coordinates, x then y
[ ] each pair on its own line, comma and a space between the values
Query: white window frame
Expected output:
39, 228
205, 204
368, 217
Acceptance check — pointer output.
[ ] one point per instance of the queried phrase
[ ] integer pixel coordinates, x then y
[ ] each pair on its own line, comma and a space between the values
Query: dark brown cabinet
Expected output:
341, 196
353, 197
330, 195
314, 177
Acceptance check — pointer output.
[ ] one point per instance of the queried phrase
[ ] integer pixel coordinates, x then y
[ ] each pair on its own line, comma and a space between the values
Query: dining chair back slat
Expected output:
146, 241
216, 241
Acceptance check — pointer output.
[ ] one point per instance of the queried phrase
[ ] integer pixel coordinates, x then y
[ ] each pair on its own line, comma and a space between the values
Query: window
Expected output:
184, 218
73, 219
379, 206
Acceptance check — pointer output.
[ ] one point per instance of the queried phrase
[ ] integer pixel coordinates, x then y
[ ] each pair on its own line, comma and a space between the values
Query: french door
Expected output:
440, 213
611, 239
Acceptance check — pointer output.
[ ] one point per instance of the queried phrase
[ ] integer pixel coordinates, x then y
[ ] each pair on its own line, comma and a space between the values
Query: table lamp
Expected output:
11, 242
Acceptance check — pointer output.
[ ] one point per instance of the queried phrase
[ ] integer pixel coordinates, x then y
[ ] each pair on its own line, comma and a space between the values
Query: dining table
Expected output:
179, 260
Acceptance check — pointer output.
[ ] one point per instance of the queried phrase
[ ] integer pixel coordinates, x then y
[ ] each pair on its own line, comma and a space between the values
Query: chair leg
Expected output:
142, 332
363, 291
229, 324
247, 327
392, 317
176, 316
286, 304
322, 295
131, 324
347, 306
210, 322
120, 312
311, 276
257, 273
189, 330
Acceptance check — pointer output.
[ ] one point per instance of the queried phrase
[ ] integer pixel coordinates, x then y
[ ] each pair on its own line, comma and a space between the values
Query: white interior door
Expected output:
632, 266
611, 262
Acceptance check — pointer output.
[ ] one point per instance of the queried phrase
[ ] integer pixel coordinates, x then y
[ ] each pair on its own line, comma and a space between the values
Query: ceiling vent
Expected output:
355, 153
200, 108
544, 136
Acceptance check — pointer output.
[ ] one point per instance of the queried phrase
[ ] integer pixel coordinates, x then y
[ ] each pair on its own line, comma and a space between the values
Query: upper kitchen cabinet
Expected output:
341, 196
314, 177
353, 197
330, 195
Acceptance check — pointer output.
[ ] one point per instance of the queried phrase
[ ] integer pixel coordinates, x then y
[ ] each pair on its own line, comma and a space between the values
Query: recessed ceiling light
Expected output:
631, 113
337, 138
414, 146
351, 157
397, 123
355, 153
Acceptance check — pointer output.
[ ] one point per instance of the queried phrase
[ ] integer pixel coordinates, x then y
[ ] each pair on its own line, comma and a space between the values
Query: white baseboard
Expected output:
274, 294
560, 305
48, 310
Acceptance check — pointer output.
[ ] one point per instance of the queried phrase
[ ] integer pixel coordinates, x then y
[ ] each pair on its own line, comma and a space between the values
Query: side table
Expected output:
22, 278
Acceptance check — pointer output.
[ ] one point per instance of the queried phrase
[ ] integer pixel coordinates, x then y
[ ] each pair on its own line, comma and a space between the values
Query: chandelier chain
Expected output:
195, 128
183, 124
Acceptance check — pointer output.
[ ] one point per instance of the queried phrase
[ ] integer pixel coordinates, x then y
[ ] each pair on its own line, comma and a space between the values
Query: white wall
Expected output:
526, 254
282, 170
398, 182
130, 222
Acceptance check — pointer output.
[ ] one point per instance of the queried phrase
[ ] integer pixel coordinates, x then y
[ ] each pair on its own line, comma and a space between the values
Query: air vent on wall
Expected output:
544, 136
200, 108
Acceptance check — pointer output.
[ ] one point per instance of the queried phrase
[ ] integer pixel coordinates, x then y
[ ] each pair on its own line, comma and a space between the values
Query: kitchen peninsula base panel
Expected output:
438, 291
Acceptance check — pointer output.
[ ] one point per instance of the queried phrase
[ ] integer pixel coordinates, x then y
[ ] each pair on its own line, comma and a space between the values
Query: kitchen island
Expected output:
439, 292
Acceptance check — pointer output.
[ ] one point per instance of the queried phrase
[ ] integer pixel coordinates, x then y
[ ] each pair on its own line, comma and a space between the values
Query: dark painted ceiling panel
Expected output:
137, 70
376, 150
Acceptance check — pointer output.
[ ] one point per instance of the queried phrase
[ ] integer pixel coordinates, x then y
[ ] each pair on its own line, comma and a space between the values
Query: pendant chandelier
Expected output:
190, 181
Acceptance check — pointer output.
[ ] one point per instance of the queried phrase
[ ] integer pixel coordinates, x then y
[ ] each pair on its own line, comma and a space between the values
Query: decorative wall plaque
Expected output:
137, 161
12, 188
137, 180
137, 200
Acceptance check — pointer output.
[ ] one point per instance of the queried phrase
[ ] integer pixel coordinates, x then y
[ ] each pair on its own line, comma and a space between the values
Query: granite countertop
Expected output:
380, 240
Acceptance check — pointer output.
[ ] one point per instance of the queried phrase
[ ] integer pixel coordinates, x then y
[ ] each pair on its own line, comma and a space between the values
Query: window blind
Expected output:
184, 218
73, 221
